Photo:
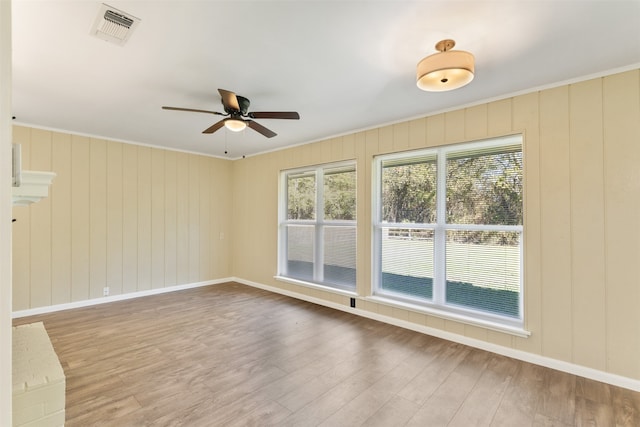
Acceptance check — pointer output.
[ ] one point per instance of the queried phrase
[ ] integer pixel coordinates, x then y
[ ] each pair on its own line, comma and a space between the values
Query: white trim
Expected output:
6, 358
473, 318
318, 238
122, 141
114, 298
325, 288
310, 170
570, 368
439, 284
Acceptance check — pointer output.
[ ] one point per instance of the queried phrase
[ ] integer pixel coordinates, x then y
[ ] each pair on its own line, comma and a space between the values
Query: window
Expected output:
448, 229
318, 225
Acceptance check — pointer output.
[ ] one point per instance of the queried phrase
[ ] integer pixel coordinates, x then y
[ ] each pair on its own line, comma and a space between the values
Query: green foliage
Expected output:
409, 193
483, 189
340, 196
301, 192
506, 192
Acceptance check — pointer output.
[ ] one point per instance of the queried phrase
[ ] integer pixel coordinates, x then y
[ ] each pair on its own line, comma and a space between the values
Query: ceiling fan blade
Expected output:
193, 110
261, 129
214, 127
229, 100
274, 115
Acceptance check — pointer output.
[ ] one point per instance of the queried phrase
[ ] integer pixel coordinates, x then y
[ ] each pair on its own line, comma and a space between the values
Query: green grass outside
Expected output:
498, 301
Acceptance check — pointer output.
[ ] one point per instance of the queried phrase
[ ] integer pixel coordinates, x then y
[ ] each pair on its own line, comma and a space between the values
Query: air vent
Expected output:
114, 25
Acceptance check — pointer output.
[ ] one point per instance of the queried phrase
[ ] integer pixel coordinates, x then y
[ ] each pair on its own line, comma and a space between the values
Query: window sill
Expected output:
442, 314
446, 315
316, 286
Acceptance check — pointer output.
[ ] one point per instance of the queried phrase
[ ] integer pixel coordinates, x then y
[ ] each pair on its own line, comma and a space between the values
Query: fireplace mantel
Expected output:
34, 186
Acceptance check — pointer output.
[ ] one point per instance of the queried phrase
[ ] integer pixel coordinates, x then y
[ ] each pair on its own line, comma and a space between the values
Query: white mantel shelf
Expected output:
34, 187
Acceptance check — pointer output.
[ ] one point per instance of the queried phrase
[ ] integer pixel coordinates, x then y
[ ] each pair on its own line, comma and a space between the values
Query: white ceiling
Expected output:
343, 65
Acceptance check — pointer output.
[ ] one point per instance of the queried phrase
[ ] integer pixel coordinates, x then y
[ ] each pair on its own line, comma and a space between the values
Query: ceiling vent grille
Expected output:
114, 25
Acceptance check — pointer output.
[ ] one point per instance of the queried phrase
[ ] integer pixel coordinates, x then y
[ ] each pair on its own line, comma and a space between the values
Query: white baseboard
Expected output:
571, 368
113, 298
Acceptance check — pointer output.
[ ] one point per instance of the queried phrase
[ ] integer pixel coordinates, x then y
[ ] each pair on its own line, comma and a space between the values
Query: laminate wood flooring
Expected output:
233, 355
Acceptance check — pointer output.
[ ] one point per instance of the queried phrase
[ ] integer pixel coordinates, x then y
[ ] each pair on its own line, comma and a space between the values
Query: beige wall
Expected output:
129, 217
582, 210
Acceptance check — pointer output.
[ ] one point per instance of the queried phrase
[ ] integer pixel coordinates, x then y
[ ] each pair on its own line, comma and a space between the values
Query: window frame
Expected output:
437, 305
319, 223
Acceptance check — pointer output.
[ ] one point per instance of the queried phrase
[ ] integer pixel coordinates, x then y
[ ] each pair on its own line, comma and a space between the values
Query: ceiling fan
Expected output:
238, 116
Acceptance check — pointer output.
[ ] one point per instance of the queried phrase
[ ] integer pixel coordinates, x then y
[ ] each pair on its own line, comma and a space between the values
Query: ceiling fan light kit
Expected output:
235, 125
446, 70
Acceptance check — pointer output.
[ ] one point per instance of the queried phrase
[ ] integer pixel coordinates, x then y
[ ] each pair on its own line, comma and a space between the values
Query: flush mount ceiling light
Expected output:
235, 125
446, 70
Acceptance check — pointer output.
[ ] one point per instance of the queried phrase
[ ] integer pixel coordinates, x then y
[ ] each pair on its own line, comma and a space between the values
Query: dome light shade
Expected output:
235, 125
446, 70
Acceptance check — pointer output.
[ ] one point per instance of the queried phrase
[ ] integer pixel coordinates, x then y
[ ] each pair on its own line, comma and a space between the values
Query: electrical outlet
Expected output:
105, 291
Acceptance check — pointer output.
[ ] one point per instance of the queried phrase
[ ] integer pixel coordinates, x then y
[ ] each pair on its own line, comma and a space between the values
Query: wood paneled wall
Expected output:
135, 218
129, 217
582, 215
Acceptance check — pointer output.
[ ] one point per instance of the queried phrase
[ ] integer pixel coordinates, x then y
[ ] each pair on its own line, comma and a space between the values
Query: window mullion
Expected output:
439, 278
282, 232
376, 215
318, 270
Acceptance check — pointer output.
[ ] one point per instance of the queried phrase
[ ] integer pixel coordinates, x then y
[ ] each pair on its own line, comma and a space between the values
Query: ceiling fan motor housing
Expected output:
243, 103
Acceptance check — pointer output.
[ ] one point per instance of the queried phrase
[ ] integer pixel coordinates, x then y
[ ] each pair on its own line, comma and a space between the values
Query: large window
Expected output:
448, 229
318, 225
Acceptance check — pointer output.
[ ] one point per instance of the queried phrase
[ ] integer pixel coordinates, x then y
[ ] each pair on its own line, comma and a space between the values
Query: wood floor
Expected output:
232, 355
